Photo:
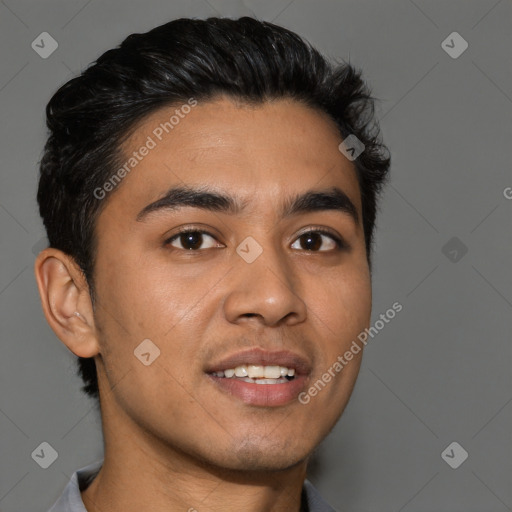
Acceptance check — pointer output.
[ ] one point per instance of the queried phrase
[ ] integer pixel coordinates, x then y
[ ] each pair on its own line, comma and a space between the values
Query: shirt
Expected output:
71, 501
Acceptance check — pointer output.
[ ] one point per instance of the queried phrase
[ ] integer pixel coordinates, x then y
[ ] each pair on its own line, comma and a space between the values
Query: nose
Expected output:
267, 288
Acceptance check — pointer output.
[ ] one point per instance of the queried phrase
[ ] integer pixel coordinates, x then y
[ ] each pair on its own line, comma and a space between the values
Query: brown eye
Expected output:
314, 240
191, 240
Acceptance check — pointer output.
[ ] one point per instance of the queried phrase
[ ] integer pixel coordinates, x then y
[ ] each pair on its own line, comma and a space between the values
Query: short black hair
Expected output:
246, 59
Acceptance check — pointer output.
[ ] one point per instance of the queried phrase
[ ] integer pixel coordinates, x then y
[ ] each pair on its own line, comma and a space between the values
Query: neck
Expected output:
141, 472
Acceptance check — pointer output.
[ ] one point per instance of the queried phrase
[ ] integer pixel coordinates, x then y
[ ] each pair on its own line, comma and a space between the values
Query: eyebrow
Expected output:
205, 198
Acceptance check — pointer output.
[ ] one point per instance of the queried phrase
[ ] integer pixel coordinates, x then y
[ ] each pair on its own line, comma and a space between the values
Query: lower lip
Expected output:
266, 395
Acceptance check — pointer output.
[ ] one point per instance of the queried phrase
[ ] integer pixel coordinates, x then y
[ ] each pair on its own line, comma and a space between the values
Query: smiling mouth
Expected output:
258, 374
259, 377
281, 384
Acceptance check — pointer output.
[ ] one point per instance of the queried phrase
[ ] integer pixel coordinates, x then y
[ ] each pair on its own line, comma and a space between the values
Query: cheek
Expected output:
140, 300
143, 309
141, 294
342, 310
342, 304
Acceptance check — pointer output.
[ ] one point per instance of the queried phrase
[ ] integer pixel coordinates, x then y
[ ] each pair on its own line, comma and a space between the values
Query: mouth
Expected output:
258, 374
261, 378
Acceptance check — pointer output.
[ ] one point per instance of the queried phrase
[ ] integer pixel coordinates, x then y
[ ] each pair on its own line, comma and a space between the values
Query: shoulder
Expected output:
313, 499
71, 500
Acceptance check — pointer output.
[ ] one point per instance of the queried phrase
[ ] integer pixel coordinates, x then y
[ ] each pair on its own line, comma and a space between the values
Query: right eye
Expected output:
189, 239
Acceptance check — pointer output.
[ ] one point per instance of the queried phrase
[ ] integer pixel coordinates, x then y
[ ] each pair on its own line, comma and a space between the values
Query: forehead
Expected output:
263, 153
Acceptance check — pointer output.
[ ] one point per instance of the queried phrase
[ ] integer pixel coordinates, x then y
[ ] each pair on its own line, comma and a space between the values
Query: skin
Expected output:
173, 439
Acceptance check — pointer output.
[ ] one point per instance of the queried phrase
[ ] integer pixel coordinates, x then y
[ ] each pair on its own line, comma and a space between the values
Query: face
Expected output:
260, 279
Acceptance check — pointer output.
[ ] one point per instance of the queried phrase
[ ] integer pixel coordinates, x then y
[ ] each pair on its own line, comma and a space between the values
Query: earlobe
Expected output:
66, 302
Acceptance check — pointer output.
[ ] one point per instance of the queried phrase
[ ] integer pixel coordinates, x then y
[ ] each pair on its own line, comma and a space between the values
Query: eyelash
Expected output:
340, 244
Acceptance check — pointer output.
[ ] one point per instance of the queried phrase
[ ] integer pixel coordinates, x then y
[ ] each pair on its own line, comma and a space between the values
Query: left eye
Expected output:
312, 240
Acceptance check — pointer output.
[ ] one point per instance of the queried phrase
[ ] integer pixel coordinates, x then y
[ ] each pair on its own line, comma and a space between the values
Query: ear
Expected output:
64, 292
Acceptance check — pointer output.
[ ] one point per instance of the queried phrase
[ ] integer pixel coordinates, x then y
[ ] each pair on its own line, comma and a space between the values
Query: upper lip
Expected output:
262, 357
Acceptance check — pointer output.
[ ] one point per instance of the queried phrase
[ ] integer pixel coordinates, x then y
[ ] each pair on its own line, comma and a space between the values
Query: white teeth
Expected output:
255, 371
241, 371
264, 381
272, 372
250, 372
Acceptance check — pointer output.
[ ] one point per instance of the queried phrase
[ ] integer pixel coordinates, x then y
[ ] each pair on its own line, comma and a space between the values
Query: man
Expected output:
209, 193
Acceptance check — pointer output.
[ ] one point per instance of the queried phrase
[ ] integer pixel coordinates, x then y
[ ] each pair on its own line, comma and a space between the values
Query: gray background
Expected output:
439, 372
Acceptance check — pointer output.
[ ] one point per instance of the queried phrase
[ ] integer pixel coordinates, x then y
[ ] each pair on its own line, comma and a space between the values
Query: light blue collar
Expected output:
71, 500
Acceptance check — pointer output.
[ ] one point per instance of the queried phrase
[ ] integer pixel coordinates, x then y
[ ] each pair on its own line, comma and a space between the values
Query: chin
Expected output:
263, 454
262, 462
